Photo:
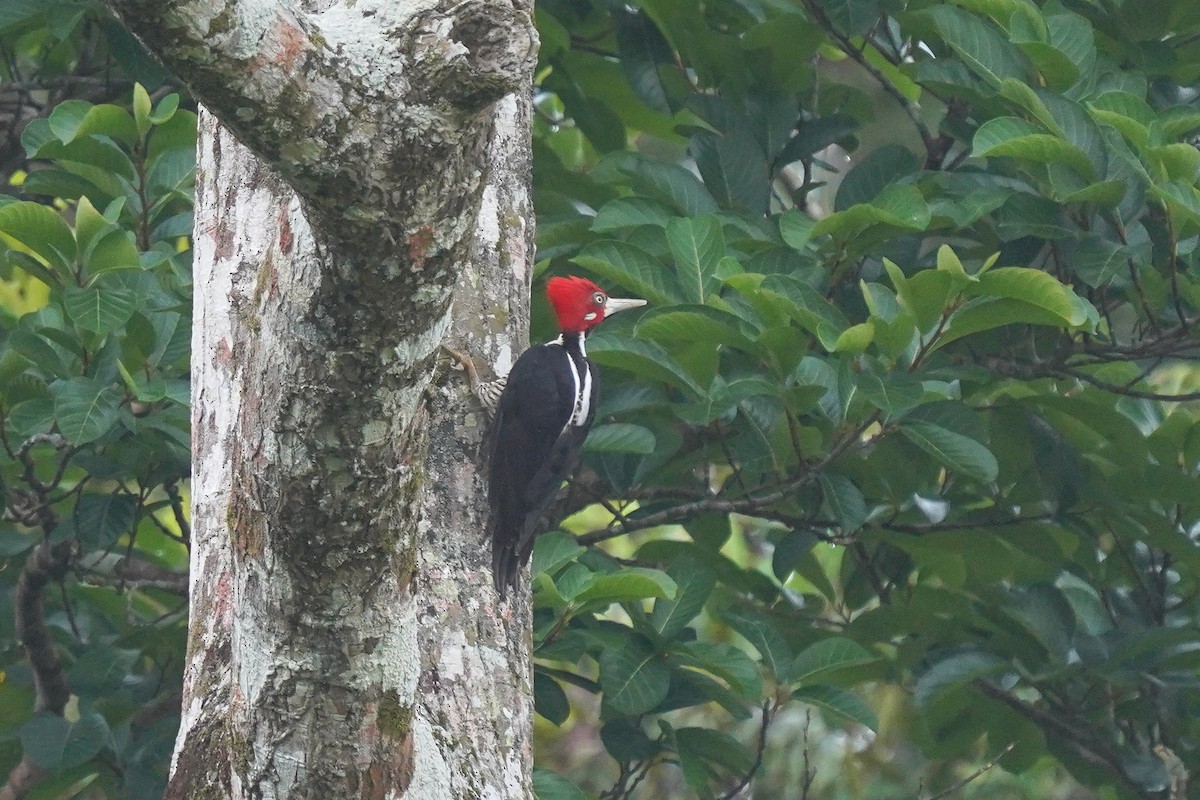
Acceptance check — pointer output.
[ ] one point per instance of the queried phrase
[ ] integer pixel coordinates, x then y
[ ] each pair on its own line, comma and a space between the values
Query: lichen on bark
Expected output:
345, 640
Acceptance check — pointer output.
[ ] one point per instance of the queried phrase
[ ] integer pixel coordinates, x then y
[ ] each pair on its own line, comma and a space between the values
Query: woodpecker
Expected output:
541, 419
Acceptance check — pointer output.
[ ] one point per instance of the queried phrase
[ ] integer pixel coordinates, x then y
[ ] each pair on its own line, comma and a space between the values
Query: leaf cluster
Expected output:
916, 368
94, 427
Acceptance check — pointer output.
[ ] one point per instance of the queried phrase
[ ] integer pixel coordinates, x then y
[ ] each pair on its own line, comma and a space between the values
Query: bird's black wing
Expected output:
532, 452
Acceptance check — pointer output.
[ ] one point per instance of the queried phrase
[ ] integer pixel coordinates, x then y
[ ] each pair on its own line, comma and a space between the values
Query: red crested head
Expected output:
580, 305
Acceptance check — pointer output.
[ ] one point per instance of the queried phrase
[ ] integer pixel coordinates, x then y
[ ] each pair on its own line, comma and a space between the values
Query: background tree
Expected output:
906, 435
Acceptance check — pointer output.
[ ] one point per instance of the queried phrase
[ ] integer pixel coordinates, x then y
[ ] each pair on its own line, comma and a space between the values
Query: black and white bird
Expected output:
541, 419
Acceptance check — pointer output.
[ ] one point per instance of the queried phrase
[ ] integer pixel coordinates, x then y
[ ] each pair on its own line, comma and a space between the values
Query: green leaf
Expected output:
641, 358
549, 699
100, 311
165, 109
956, 452
840, 702
552, 549
549, 785
101, 669
1097, 260
671, 183
1053, 64
845, 501
631, 267
796, 228
814, 135
1044, 611
714, 746
85, 409
89, 224
632, 583
1015, 138
574, 580
625, 740
16, 12
727, 662
695, 583
854, 339
1036, 288
790, 549
141, 109
112, 251
100, 519
771, 646
892, 393
75, 119
734, 169
697, 246
630, 212
881, 168
987, 313
689, 324
620, 437
56, 744
36, 229
634, 678
955, 670
852, 17
826, 656
899, 206
978, 43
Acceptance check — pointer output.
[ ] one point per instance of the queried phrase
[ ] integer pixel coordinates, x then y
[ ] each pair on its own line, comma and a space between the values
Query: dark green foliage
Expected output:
912, 404
95, 306
928, 388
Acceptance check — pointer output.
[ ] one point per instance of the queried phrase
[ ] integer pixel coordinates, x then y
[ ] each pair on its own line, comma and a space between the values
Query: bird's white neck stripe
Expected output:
558, 340
583, 398
583, 383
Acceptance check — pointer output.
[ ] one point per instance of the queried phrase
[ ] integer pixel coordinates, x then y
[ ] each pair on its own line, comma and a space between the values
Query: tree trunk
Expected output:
345, 639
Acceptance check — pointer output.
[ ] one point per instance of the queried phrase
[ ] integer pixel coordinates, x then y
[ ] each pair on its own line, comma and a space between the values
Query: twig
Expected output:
767, 711
1086, 745
748, 504
23, 778
1027, 371
961, 784
46, 564
133, 573
810, 774
932, 146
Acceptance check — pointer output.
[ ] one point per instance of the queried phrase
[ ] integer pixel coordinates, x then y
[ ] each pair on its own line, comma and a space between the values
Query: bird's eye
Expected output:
599, 298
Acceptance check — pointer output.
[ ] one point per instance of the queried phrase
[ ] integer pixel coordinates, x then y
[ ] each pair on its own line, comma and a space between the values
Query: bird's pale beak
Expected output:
616, 304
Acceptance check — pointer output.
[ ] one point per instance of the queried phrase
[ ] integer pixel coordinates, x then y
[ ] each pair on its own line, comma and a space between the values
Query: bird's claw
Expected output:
468, 365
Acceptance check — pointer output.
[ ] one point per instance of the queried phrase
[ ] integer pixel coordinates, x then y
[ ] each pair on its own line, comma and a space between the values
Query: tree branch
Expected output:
935, 148
1083, 742
46, 564
749, 504
290, 84
961, 784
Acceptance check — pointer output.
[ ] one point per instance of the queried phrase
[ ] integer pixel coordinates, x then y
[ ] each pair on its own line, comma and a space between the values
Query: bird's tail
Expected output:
505, 564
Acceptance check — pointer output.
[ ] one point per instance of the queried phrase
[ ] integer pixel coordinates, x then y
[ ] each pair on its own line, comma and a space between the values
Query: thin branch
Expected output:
932, 146
46, 564
21, 781
962, 784
768, 709
744, 505
133, 573
1026, 370
1088, 746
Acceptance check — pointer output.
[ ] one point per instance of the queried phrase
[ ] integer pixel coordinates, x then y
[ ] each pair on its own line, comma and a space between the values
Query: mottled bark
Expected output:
369, 166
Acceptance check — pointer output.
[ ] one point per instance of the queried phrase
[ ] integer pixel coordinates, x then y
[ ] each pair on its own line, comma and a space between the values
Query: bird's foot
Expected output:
486, 392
